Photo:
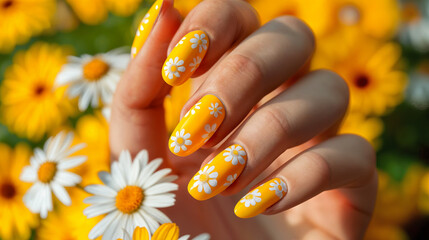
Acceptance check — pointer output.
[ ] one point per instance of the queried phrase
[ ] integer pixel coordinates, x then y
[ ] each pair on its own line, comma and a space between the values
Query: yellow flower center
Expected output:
410, 12
200, 42
7, 190
95, 69
47, 172
173, 68
204, 177
129, 199
7, 4
349, 14
250, 196
180, 141
235, 152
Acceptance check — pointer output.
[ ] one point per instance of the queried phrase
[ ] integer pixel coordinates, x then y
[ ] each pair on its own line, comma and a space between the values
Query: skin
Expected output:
284, 116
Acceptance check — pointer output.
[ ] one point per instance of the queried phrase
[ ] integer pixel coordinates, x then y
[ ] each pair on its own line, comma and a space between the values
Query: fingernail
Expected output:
145, 27
219, 173
197, 126
185, 58
261, 198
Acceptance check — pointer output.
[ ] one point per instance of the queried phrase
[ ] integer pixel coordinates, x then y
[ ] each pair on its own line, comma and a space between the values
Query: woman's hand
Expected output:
285, 127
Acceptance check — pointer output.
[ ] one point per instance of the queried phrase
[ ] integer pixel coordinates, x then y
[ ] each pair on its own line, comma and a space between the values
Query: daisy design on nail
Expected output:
215, 109
173, 67
230, 179
210, 130
48, 171
180, 42
192, 110
180, 141
196, 62
279, 187
199, 41
235, 154
251, 198
146, 18
205, 179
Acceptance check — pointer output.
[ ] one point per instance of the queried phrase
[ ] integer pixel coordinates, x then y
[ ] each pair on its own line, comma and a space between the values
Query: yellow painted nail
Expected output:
197, 126
145, 27
260, 198
185, 58
219, 173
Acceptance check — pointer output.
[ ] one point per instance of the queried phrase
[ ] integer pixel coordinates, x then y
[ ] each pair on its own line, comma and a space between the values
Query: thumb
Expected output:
137, 119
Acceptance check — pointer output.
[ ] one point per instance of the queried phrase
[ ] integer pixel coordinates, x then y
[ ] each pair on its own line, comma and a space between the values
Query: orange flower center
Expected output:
173, 68
95, 69
250, 196
410, 12
7, 190
180, 141
129, 199
235, 152
349, 14
204, 177
47, 172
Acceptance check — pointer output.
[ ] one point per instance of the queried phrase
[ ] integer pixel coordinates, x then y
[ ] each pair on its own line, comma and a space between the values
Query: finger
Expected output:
137, 105
236, 85
290, 119
346, 162
213, 26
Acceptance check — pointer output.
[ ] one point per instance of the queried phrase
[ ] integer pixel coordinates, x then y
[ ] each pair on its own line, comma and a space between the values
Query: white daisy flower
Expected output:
215, 109
92, 78
418, 88
180, 42
209, 131
47, 171
251, 198
192, 110
180, 141
173, 67
195, 63
205, 179
230, 179
235, 154
278, 187
130, 196
415, 25
199, 41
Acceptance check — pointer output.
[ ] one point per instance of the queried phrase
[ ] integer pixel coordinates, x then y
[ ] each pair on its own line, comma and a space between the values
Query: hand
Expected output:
286, 127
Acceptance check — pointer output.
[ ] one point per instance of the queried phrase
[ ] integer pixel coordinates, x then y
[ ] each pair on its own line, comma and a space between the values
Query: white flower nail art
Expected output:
215, 109
195, 63
279, 188
180, 42
205, 179
199, 41
180, 141
235, 154
230, 179
146, 18
173, 67
251, 198
192, 110
210, 130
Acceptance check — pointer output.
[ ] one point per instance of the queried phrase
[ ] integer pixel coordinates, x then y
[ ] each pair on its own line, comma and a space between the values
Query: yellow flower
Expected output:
16, 219
174, 102
90, 12
31, 104
375, 84
368, 128
123, 7
68, 223
94, 132
185, 6
21, 19
167, 231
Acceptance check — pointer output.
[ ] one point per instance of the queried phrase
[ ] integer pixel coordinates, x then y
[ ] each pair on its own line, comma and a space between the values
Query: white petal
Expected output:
157, 214
156, 177
28, 174
207, 188
99, 209
101, 226
71, 162
148, 170
100, 190
107, 179
159, 201
98, 200
67, 179
117, 175
203, 236
161, 188
61, 193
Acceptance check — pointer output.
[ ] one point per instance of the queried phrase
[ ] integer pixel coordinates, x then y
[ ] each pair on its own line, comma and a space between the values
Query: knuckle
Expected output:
320, 166
275, 119
366, 162
242, 68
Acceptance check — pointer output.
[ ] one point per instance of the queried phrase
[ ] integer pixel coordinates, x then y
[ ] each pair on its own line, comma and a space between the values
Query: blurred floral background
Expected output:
380, 47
